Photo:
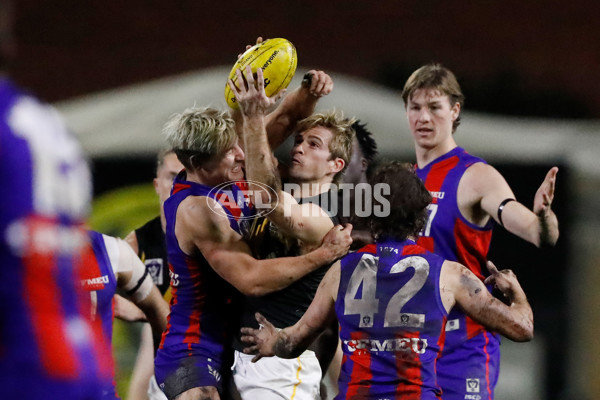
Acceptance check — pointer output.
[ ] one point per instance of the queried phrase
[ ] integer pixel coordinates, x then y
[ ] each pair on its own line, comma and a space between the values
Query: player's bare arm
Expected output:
483, 193
231, 258
306, 222
125, 310
297, 105
140, 289
459, 286
294, 340
131, 240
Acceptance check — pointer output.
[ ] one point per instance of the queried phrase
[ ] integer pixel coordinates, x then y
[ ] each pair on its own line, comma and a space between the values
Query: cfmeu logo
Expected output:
243, 200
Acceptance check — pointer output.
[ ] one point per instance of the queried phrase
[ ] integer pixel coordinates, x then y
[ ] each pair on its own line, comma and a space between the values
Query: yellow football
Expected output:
278, 60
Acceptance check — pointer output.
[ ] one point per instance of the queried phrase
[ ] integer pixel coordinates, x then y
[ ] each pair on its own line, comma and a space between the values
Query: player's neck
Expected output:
427, 155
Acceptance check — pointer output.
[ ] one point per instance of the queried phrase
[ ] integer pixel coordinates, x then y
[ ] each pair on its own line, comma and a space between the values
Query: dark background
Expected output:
516, 57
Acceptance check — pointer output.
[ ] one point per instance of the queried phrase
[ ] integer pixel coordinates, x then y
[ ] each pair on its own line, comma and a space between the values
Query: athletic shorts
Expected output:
274, 378
470, 371
177, 374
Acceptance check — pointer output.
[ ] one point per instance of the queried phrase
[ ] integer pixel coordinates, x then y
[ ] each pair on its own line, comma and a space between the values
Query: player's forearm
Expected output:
297, 105
548, 229
259, 161
291, 342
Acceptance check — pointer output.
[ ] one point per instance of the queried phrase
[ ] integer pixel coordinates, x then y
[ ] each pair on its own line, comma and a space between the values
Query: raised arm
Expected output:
488, 188
231, 258
294, 340
297, 105
306, 222
460, 286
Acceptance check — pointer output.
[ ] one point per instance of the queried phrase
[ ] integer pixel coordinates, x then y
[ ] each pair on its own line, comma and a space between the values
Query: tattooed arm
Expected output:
460, 286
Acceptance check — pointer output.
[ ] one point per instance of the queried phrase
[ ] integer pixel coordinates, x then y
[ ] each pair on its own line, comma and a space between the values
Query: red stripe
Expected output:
471, 250
193, 331
101, 348
43, 297
472, 246
437, 175
487, 364
179, 187
433, 183
370, 248
361, 376
47, 317
412, 249
409, 367
440, 344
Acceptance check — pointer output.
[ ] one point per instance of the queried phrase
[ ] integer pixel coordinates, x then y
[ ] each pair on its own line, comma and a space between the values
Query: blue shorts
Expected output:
177, 374
470, 371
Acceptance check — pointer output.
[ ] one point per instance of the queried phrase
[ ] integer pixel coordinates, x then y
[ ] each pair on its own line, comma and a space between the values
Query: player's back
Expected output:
47, 344
391, 322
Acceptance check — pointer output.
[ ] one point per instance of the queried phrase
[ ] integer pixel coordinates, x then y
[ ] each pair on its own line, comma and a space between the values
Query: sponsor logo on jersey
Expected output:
416, 345
95, 283
437, 195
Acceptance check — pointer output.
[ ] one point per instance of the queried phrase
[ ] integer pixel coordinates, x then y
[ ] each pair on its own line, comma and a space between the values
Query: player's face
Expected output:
311, 158
230, 167
430, 117
165, 175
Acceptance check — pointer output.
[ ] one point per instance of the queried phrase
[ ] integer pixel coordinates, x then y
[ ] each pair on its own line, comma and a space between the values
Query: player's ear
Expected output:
337, 164
455, 111
155, 183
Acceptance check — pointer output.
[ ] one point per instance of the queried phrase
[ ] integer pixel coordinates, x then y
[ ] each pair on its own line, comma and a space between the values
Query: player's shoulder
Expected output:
203, 216
481, 174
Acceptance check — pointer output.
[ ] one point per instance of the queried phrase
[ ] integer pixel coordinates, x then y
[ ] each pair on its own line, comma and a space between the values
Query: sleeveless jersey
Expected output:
284, 307
202, 303
152, 250
101, 283
48, 347
450, 235
391, 322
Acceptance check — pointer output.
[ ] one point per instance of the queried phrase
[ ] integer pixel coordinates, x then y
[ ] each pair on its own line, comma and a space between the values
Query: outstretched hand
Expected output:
544, 196
250, 92
261, 340
504, 280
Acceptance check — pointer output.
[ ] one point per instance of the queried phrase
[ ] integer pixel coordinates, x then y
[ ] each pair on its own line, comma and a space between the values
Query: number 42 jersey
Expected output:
391, 322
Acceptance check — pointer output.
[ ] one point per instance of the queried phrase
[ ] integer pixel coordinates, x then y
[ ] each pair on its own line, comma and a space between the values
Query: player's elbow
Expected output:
522, 332
253, 287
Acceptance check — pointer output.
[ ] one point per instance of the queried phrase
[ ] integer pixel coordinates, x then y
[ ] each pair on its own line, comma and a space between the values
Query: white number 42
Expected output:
365, 275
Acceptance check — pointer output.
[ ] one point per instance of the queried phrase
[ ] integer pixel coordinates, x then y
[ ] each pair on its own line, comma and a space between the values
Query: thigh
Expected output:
274, 378
470, 371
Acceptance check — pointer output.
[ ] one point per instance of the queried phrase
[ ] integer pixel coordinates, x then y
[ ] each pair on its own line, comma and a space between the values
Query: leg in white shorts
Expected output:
274, 378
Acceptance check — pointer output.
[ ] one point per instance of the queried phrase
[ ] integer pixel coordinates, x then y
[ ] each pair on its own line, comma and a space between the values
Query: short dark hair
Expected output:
365, 140
408, 199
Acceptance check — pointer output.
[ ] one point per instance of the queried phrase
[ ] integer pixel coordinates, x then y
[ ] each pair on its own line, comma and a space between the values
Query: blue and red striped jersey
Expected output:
100, 281
47, 342
203, 311
450, 235
391, 322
